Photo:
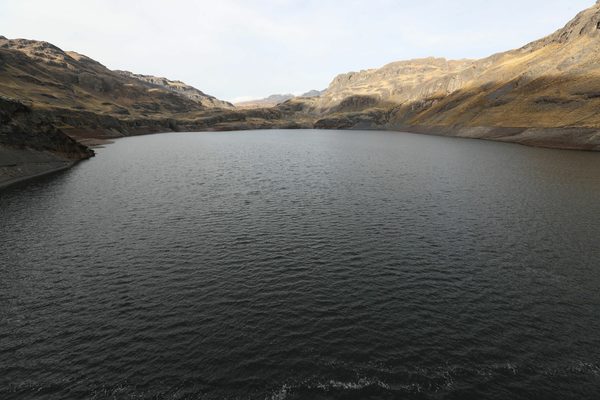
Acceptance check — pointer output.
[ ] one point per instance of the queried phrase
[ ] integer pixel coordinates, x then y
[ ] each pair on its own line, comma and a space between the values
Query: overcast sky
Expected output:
240, 49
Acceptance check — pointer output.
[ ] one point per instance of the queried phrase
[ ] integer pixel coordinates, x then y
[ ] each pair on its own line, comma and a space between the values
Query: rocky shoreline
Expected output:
18, 165
31, 146
28, 155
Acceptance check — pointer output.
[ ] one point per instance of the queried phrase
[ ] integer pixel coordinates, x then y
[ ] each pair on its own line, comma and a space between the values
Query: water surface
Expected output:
304, 265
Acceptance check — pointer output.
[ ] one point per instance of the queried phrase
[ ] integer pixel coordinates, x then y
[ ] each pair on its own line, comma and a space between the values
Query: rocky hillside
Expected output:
48, 97
43, 74
30, 145
398, 82
84, 98
550, 84
180, 88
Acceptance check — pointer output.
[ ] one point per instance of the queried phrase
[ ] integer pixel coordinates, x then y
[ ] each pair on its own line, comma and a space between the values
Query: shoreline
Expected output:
20, 165
564, 138
567, 138
26, 177
30, 163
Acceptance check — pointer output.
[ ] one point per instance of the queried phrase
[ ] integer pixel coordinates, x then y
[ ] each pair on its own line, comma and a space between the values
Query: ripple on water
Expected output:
304, 264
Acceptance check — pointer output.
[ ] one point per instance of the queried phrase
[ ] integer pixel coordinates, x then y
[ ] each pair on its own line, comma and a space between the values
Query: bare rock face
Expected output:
271, 101
21, 128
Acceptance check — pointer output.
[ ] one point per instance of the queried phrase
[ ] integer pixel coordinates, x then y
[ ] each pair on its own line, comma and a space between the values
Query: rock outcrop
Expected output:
31, 146
21, 128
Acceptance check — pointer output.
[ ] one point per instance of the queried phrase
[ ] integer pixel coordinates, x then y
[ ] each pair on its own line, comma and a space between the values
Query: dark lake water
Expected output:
304, 265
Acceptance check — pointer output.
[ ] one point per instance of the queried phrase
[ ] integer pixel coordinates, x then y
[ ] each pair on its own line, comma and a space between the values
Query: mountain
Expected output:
49, 97
312, 93
276, 99
270, 101
49, 77
84, 98
181, 88
54, 102
30, 145
546, 93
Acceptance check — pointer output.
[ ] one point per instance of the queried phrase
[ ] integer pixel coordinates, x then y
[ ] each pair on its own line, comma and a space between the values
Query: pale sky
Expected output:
241, 49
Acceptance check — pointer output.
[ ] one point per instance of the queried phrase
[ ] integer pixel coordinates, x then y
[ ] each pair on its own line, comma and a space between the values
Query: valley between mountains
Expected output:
55, 103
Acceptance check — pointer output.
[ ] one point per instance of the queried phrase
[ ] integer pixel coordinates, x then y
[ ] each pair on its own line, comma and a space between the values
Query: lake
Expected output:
304, 265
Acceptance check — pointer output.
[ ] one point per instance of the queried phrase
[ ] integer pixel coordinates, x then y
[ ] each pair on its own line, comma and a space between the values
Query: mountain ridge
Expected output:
544, 88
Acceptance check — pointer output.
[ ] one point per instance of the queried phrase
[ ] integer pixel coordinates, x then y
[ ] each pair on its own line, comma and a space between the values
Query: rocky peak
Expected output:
585, 24
30, 45
38, 50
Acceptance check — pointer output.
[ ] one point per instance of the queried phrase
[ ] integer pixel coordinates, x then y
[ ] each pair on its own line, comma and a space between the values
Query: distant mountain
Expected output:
312, 93
275, 99
270, 101
278, 98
